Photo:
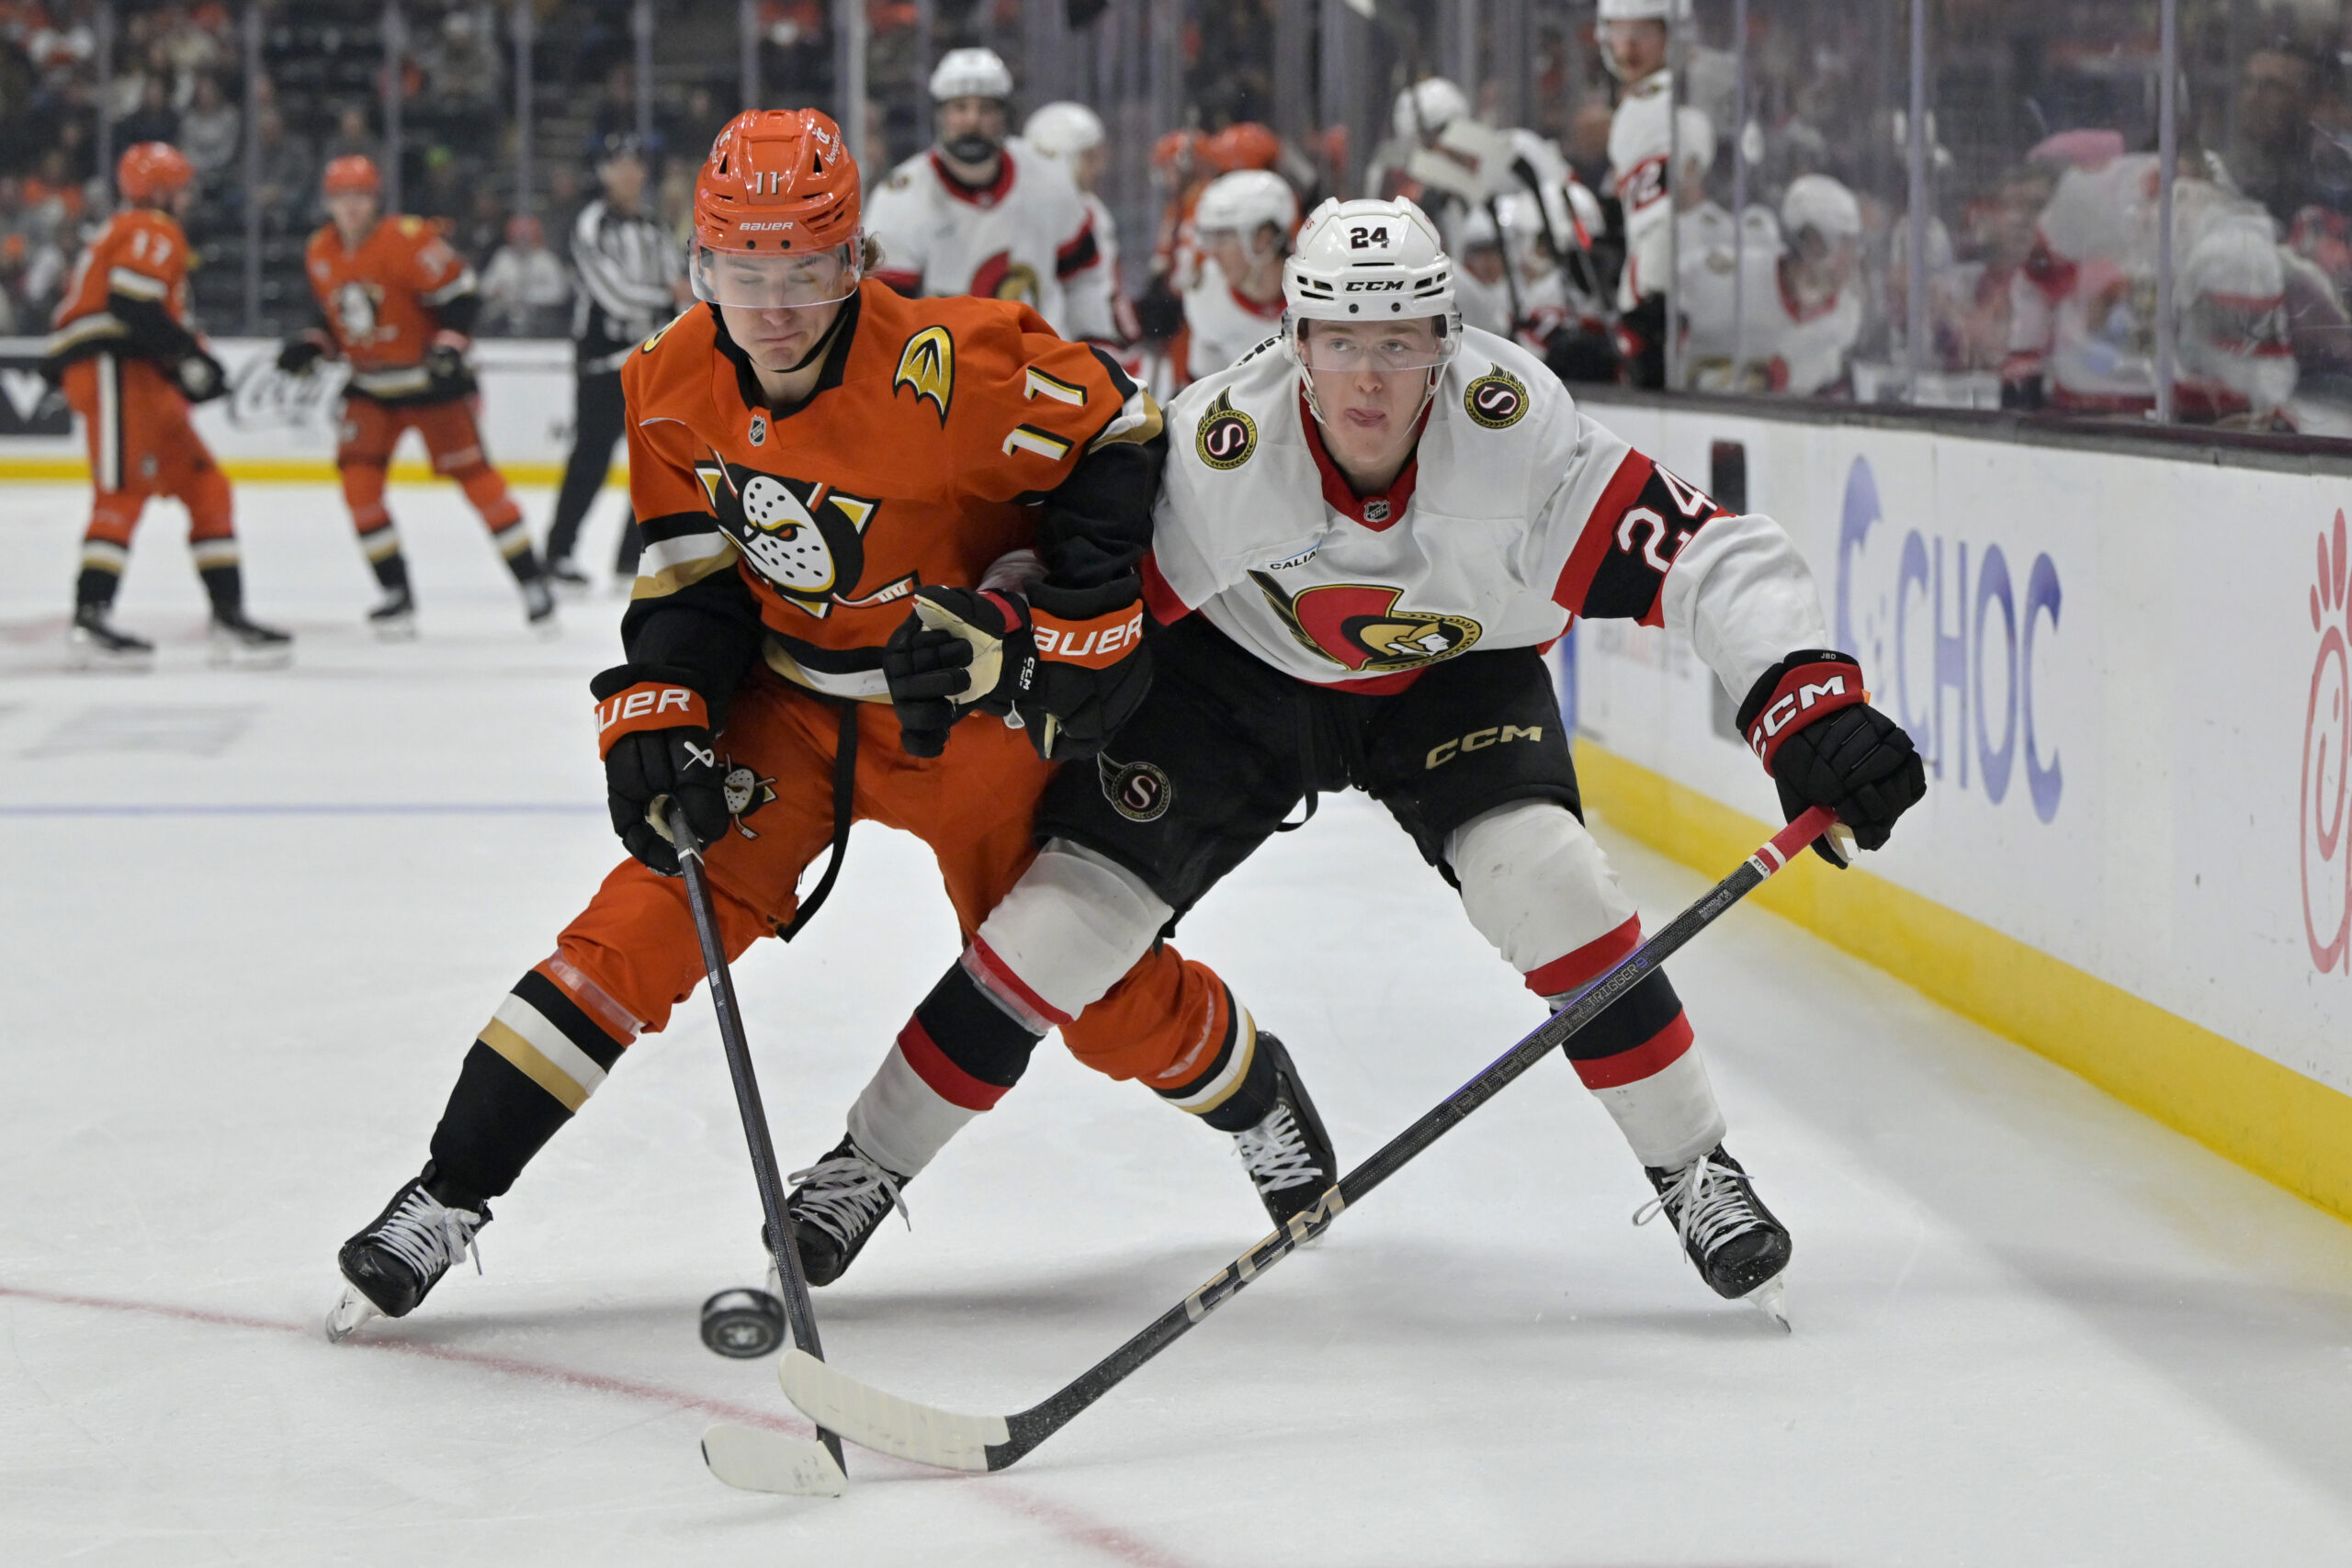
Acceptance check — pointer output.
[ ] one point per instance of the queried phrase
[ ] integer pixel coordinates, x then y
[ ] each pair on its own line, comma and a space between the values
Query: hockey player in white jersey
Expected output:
1634, 37
1100, 312
981, 212
1368, 533
1243, 226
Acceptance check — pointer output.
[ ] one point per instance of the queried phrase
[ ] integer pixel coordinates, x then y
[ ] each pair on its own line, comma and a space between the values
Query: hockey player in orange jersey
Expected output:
874, 527
130, 367
398, 304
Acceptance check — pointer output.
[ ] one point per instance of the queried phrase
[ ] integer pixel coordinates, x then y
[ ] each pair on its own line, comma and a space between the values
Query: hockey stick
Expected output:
743, 1456
890, 1425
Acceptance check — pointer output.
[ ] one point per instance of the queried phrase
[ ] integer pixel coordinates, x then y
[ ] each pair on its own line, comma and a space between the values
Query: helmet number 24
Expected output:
1362, 238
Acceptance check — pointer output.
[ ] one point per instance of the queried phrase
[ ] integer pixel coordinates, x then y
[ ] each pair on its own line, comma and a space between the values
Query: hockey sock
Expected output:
533, 1065
224, 582
1234, 1089
956, 1058
101, 575
1637, 1058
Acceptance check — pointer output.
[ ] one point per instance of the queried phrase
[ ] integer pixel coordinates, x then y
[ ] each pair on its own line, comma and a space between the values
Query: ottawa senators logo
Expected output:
1359, 627
1002, 277
805, 538
1495, 400
1226, 437
1139, 792
928, 364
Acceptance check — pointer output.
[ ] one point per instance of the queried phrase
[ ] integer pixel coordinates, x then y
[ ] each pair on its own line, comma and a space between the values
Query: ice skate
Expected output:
394, 620
569, 580
538, 609
1733, 1239
92, 644
393, 1264
1288, 1153
836, 1205
242, 644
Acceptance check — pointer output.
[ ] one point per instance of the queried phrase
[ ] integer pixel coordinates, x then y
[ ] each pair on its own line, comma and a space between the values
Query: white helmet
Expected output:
1244, 199
1669, 11
1063, 129
1426, 107
970, 74
1695, 138
1816, 201
1369, 260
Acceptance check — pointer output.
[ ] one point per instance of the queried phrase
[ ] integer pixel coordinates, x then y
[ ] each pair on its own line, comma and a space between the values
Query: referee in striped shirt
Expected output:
632, 279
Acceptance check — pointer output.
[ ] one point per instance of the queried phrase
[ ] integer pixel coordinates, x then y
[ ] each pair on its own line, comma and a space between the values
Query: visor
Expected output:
780, 282
1345, 346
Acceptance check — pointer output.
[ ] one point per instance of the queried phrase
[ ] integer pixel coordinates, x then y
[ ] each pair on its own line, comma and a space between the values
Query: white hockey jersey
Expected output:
1223, 326
1641, 139
1780, 346
1517, 515
1098, 307
1028, 237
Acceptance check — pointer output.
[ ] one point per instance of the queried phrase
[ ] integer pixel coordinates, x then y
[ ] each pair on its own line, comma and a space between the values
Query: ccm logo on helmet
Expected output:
1374, 284
1480, 740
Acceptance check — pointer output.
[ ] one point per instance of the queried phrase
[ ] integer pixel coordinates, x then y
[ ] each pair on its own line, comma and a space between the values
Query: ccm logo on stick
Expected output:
1480, 740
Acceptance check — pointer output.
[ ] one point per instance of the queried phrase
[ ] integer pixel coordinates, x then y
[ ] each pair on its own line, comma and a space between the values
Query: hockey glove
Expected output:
200, 376
654, 731
1811, 723
445, 359
299, 355
1067, 677
958, 648
1092, 667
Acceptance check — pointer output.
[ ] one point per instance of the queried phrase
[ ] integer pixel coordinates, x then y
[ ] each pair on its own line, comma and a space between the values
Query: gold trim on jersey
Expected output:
928, 364
1035, 381
1044, 442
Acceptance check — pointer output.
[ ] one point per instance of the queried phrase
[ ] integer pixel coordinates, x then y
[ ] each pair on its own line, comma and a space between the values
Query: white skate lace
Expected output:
428, 1237
1706, 1201
1276, 1153
843, 1197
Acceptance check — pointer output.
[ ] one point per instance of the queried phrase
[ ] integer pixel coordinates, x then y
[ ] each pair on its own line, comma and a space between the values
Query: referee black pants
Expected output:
599, 417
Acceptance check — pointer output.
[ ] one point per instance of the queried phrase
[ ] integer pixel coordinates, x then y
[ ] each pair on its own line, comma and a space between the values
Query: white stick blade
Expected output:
884, 1422
752, 1461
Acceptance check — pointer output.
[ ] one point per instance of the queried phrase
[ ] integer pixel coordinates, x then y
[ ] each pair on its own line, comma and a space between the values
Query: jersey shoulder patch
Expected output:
927, 367
1496, 401
1226, 437
410, 228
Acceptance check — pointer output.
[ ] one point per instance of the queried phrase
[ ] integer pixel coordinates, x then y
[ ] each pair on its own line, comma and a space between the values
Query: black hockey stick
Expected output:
743, 1456
890, 1425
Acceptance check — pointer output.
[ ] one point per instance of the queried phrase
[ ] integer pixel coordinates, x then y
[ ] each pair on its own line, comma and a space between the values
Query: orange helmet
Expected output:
1245, 144
149, 169
351, 172
1175, 148
778, 197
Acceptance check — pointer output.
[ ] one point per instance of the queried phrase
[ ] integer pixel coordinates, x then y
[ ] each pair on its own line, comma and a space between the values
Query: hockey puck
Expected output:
742, 1323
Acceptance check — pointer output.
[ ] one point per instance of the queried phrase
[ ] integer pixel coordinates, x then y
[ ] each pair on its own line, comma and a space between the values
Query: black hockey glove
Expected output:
957, 648
1811, 723
1092, 667
1067, 672
654, 732
200, 376
297, 356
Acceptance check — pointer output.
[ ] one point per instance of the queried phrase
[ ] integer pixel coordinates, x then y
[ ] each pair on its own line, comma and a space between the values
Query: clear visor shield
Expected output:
779, 282
1385, 347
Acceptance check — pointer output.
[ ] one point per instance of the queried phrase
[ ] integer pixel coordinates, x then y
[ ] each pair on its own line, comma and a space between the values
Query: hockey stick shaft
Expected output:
1025, 1430
799, 1311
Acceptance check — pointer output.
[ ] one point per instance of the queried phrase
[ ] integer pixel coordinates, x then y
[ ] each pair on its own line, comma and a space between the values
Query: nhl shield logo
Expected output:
1376, 509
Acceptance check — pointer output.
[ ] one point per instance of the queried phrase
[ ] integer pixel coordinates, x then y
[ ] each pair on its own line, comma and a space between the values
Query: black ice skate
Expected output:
568, 579
394, 620
1733, 1241
248, 645
1288, 1153
92, 644
836, 1204
394, 1262
539, 608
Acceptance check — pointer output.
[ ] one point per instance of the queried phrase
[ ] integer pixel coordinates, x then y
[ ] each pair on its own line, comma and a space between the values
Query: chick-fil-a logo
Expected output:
2327, 742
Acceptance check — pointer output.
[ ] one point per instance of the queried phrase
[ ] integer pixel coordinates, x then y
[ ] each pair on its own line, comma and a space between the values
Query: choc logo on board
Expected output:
2327, 745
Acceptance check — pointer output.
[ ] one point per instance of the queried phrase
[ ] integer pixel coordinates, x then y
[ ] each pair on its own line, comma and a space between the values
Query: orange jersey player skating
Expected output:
879, 533
397, 305
130, 367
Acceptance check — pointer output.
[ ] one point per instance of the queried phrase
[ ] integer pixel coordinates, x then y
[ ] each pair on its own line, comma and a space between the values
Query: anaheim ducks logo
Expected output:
928, 364
355, 307
1360, 627
1002, 277
805, 538
747, 791
1495, 400
1226, 437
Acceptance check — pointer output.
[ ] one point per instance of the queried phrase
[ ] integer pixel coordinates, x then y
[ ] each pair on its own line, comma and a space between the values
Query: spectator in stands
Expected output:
524, 291
351, 138
209, 133
154, 120
463, 70
2268, 154
485, 227
287, 189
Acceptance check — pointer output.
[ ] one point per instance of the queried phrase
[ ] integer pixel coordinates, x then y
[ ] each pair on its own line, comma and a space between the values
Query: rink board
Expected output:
2128, 675
277, 428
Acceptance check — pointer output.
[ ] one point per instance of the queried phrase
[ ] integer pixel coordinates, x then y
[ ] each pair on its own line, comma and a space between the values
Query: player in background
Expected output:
855, 506
632, 278
398, 305
1418, 117
1363, 545
1071, 134
1243, 225
129, 367
1634, 39
981, 212
1800, 300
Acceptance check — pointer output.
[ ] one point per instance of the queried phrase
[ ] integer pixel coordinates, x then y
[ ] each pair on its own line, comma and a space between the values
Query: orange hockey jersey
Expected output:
938, 426
140, 257
378, 301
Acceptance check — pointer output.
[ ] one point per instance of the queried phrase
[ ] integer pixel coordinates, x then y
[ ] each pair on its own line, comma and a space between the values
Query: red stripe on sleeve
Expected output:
1588, 963
948, 1080
1656, 1054
1600, 533
1166, 605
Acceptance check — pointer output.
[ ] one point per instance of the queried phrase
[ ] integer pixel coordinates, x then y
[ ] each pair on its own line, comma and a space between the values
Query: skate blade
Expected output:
752, 1461
252, 658
403, 629
348, 1313
1771, 1298
83, 659
548, 629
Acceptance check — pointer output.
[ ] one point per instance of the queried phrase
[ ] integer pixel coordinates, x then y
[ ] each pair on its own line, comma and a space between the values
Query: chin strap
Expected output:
817, 349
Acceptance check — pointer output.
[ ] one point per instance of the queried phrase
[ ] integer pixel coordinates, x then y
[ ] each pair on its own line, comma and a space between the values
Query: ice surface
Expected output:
248, 924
